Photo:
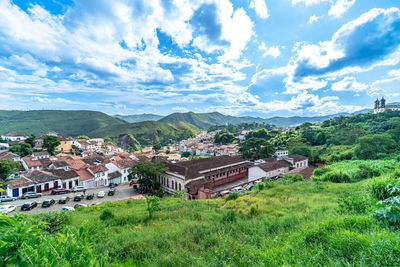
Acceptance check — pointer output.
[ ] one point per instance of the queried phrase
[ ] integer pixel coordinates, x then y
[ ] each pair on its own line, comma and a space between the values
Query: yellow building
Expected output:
66, 145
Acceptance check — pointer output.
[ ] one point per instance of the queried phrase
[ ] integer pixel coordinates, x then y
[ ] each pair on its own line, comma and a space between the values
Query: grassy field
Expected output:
308, 223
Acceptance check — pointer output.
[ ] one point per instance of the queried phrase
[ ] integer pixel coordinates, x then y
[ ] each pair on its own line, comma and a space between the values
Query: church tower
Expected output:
377, 106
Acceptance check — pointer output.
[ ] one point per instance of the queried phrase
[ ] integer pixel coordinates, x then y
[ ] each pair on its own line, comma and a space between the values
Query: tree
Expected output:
75, 149
2, 140
8, 167
51, 143
256, 148
153, 204
83, 137
107, 140
22, 150
157, 147
147, 173
185, 154
31, 140
301, 150
374, 146
224, 138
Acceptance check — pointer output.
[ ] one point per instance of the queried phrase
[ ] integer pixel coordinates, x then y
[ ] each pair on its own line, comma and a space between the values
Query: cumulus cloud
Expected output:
260, 7
349, 84
340, 7
313, 18
273, 51
351, 46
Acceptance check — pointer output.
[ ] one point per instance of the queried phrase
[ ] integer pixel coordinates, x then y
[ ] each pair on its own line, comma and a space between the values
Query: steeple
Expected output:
377, 104
383, 103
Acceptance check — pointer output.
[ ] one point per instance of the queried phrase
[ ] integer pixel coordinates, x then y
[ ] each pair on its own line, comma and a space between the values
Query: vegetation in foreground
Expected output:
304, 223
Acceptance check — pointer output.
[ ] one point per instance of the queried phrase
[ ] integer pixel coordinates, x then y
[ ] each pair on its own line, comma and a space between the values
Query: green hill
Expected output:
282, 223
94, 124
66, 123
205, 120
148, 132
138, 117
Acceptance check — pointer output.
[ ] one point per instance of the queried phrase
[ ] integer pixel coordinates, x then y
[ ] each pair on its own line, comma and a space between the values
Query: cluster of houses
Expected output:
100, 164
202, 146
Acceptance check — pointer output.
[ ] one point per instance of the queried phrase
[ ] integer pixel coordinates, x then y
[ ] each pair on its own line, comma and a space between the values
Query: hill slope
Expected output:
148, 132
205, 120
138, 117
66, 123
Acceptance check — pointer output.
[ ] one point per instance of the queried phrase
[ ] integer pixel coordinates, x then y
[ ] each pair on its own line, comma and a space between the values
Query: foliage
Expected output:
8, 167
232, 196
157, 147
256, 148
301, 150
51, 143
374, 146
25, 243
153, 204
237, 128
106, 214
147, 173
55, 221
354, 203
185, 154
84, 137
22, 150
229, 216
224, 138
31, 140
291, 178
389, 209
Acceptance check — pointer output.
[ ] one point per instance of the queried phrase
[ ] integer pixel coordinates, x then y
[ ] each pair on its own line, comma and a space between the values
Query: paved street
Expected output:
122, 191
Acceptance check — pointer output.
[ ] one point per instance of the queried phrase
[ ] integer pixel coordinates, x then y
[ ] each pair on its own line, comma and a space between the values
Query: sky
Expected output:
238, 57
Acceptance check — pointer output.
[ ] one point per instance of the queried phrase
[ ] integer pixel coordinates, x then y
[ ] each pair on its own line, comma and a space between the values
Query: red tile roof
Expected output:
84, 175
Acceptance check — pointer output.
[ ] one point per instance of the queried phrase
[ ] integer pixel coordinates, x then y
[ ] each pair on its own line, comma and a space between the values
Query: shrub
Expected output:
321, 170
353, 203
254, 210
383, 189
388, 209
229, 216
336, 177
55, 221
232, 196
260, 186
291, 178
106, 215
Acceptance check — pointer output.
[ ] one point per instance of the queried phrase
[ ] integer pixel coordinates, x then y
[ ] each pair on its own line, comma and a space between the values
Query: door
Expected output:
56, 184
15, 192
46, 187
38, 190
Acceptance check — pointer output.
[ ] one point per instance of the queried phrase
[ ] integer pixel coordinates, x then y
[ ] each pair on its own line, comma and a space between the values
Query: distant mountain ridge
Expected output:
205, 120
139, 117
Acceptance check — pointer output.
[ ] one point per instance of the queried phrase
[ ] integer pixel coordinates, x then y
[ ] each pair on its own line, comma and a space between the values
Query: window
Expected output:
180, 188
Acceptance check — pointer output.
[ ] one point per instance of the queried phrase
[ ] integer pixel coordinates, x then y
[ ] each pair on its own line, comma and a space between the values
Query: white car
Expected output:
101, 194
238, 189
67, 209
7, 208
224, 193
7, 198
79, 188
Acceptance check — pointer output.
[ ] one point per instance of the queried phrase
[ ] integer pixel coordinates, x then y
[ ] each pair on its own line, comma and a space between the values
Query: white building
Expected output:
14, 136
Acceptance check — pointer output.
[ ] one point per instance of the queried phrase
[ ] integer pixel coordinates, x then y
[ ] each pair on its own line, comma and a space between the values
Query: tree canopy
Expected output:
147, 172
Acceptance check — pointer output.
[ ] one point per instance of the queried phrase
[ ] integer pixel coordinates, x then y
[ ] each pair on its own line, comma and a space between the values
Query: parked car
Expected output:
48, 202
79, 205
111, 192
257, 182
78, 197
101, 194
31, 195
29, 205
79, 188
249, 187
90, 196
63, 200
224, 193
7, 208
7, 198
60, 191
238, 189
112, 185
67, 209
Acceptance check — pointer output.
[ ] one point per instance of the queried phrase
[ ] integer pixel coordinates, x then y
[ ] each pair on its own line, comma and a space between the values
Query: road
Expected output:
121, 192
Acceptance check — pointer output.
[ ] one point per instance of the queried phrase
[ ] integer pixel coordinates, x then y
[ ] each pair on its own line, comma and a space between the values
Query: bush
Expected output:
229, 216
321, 170
260, 186
254, 210
106, 215
336, 177
232, 196
388, 209
383, 189
353, 203
55, 221
291, 178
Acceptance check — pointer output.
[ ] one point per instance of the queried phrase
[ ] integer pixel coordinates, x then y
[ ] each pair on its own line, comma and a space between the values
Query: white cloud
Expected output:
308, 2
349, 84
340, 7
260, 7
273, 51
313, 18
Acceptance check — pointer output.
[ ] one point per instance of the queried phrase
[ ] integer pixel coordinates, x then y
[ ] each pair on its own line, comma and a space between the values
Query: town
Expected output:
84, 164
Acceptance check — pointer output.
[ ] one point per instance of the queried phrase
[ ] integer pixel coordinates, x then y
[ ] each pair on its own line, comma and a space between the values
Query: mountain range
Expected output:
205, 120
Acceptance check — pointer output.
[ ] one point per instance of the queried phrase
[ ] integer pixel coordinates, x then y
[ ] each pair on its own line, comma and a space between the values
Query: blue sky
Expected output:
244, 57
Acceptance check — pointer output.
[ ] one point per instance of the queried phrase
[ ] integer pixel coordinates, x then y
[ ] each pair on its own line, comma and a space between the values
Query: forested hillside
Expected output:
138, 117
